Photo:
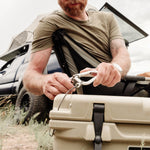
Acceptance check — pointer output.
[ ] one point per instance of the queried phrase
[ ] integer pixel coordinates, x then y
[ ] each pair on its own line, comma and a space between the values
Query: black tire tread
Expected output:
40, 105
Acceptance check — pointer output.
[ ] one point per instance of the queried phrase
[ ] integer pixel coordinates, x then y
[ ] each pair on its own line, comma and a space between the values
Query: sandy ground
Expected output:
33, 136
20, 139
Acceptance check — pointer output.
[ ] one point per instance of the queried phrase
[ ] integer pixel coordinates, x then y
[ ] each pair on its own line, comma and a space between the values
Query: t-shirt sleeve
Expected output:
42, 36
114, 29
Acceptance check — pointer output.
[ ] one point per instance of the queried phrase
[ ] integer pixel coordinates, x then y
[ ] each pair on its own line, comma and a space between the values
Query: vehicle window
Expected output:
20, 40
129, 30
7, 64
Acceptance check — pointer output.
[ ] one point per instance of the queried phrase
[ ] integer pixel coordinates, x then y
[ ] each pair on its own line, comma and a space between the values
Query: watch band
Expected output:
117, 67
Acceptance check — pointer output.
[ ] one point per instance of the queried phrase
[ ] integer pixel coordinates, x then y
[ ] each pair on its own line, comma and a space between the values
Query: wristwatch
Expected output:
117, 67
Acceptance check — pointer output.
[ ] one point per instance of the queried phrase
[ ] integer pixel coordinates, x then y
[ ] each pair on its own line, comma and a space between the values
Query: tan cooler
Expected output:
82, 122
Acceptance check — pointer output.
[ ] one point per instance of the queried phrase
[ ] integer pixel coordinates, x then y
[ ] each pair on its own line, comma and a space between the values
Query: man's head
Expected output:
73, 7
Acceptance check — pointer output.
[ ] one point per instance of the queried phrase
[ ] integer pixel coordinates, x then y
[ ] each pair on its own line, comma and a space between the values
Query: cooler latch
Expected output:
98, 119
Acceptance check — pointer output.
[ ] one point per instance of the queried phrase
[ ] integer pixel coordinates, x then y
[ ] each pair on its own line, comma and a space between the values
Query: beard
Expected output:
73, 10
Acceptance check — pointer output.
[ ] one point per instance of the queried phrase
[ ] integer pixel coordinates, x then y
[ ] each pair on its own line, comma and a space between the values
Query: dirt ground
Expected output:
33, 136
20, 139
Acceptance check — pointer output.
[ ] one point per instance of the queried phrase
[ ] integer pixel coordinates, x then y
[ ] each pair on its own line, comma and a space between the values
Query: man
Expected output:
96, 31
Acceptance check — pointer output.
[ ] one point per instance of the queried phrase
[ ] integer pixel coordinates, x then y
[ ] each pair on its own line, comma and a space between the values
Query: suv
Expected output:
11, 75
17, 58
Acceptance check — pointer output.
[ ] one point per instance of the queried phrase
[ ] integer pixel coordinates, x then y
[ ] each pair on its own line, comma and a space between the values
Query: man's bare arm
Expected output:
37, 83
108, 75
33, 76
120, 55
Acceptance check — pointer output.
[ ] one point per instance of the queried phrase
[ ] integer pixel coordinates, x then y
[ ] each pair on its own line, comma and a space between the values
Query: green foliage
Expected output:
8, 126
41, 132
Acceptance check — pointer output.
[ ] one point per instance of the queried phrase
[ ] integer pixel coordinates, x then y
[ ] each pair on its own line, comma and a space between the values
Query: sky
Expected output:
16, 15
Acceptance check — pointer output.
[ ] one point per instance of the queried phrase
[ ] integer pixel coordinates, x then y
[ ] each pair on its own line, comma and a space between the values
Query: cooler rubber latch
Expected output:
98, 119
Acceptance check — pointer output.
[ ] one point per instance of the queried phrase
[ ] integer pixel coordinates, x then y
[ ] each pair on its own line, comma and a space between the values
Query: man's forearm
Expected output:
120, 55
32, 81
123, 60
33, 76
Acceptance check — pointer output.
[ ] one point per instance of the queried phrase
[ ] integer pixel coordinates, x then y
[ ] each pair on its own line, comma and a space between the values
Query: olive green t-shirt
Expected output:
94, 34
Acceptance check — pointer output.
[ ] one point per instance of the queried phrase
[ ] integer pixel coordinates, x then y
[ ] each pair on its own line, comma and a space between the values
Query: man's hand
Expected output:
107, 75
55, 83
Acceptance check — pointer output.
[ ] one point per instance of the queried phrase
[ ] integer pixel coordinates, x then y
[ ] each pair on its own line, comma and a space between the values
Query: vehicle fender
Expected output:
20, 85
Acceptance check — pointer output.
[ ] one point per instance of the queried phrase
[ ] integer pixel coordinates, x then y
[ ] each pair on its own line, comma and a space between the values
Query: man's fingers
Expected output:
100, 76
49, 95
87, 69
65, 82
108, 79
114, 81
107, 75
60, 87
55, 84
113, 78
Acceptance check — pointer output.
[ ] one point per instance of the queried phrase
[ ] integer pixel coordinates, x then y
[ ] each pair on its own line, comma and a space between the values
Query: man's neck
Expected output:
82, 17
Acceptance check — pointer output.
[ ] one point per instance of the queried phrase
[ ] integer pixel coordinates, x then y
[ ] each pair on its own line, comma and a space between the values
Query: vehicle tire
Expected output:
31, 106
